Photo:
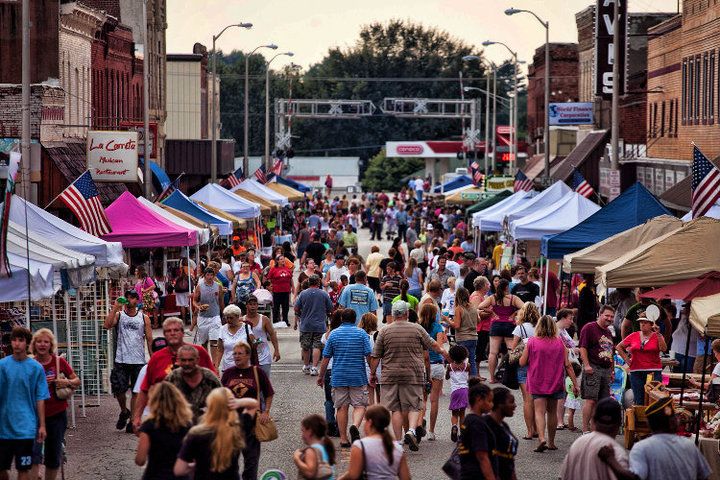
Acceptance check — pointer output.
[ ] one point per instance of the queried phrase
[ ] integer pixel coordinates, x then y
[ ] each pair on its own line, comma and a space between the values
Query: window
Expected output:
675, 129
662, 120
705, 77
690, 88
684, 88
671, 119
711, 90
653, 121
696, 88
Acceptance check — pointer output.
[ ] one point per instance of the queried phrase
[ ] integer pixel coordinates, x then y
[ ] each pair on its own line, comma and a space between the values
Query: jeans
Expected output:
637, 383
418, 196
329, 405
470, 345
251, 458
281, 299
481, 351
402, 228
416, 293
376, 231
686, 363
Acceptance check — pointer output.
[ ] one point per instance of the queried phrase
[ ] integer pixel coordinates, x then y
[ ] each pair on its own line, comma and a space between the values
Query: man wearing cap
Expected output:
583, 460
312, 308
401, 347
596, 352
208, 301
336, 271
236, 247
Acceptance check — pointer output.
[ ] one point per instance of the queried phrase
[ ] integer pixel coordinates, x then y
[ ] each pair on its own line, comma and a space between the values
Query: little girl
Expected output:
317, 460
572, 402
458, 372
447, 301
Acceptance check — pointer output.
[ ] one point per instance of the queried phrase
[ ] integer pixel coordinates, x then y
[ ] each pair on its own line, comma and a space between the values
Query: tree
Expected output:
385, 174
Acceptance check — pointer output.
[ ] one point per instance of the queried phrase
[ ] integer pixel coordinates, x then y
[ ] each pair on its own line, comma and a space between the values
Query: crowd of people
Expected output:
382, 334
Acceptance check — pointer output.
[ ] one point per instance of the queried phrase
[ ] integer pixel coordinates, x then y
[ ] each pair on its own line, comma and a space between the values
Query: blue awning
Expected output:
159, 176
179, 201
293, 184
633, 207
454, 184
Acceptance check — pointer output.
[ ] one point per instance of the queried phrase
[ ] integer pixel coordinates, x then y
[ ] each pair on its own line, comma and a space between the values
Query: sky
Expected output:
309, 28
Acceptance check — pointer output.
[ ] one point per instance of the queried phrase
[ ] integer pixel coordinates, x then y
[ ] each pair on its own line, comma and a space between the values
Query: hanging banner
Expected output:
112, 156
12, 173
604, 48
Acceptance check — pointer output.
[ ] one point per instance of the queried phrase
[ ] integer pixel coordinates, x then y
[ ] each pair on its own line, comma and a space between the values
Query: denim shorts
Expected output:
522, 374
559, 395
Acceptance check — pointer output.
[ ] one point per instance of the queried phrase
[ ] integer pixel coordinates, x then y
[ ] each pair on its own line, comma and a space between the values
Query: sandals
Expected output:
345, 445
554, 447
561, 427
541, 448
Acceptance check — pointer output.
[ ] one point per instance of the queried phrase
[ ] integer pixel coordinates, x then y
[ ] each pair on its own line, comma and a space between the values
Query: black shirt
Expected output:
475, 436
197, 447
164, 448
315, 250
506, 445
527, 292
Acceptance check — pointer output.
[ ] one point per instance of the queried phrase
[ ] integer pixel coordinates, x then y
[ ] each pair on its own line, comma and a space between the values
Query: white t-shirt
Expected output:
419, 184
448, 301
138, 384
529, 331
716, 373
335, 273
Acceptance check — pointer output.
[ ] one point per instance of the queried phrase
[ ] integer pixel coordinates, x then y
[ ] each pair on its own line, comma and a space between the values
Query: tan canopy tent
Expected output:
681, 254
587, 259
266, 207
705, 315
190, 219
237, 222
289, 192
466, 197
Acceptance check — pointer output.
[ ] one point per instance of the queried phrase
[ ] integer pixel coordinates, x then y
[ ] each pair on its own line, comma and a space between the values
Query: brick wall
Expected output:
47, 112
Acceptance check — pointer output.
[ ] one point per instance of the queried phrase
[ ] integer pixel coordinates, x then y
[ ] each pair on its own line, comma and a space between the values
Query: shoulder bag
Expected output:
517, 352
65, 392
324, 470
264, 432
253, 346
507, 373
452, 466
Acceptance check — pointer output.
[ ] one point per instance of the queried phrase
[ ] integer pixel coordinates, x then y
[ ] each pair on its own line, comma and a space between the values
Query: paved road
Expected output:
96, 450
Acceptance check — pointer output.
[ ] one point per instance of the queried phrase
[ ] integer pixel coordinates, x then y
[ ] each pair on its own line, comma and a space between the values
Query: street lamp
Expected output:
468, 58
546, 129
246, 126
267, 106
513, 131
213, 146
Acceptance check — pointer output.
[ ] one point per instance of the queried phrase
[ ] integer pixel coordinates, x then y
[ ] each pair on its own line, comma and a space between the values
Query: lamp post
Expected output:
546, 129
513, 131
468, 58
246, 126
213, 146
267, 107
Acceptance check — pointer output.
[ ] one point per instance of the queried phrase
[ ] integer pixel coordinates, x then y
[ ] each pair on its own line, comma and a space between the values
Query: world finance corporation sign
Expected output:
604, 47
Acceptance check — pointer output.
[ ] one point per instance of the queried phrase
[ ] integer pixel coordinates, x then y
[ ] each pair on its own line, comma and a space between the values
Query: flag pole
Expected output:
58, 195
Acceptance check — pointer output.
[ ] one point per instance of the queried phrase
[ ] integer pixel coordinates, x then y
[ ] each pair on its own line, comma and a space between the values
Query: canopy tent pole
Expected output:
702, 389
98, 340
81, 351
66, 299
687, 349
547, 278
190, 284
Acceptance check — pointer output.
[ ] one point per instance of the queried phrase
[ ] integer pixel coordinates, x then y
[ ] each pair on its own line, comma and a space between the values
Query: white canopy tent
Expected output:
543, 199
47, 225
714, 212
14, 288
256, 188
203, 234
490, 219
562, 215
223, 199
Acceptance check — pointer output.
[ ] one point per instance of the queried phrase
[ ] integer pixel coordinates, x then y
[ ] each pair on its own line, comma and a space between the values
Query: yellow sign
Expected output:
497, 184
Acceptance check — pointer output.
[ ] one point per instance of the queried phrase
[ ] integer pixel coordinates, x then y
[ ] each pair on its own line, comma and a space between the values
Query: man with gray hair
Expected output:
312, 307
401, 348
195, 382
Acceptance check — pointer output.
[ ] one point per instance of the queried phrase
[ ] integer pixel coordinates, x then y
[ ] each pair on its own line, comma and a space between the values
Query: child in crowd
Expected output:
334, 293
317, 459
572, 403
458, 372
368, 322
447, 301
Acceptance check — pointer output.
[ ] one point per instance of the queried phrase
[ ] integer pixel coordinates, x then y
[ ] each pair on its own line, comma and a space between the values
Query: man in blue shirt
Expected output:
312, 307
401, 217
23, 391
349, 347
359, 297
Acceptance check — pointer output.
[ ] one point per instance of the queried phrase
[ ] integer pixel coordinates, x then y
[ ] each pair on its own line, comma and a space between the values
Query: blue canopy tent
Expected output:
293, 184
179, 201
454, 184
633, 207
160, 178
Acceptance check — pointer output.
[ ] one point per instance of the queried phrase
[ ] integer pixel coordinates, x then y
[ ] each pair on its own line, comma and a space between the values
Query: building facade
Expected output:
187, 95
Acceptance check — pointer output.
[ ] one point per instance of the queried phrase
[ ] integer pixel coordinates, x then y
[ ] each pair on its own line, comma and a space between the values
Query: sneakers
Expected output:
306, 370
420, 432
431, 436
313, 372
129, 428
454, 433
354, 433
333, 430
122, 419
411, 440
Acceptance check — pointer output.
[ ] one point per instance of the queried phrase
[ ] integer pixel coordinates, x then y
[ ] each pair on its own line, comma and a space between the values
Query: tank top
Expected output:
244, 288
458, 378
503, 312
468, 325
229, 341
376, 460
263, 348
130, 339
414, 280
207, 296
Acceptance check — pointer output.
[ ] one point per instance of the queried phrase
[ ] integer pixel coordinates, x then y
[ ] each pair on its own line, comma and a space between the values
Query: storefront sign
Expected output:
571, 113
423, 149
112, 156
472, 196
497, 184
604, 49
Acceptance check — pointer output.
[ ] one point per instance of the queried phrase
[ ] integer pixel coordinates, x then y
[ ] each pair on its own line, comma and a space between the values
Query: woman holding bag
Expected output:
61, 380
527, 318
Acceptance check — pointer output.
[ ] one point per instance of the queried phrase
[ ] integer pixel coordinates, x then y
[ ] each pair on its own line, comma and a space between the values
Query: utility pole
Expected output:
614, 123
494, 120
546, 130
487, 118
25, 133
147, 180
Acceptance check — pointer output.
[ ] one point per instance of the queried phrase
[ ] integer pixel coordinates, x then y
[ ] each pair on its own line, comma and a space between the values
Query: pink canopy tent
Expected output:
135, 226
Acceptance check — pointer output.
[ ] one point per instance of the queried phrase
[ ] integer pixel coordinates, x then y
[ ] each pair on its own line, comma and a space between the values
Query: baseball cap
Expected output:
608, 412
158, 343
236, 238
400, 308
340, 257
429, 227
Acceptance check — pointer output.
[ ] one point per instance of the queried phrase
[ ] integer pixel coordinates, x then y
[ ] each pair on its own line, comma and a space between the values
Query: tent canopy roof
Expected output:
180, 201
635, 206
289, 192
567, 212
223, 199
454, 184
260, 190
302, 188
457, 196
705, 315
543, 199
266, 206
489, 202
202, 233
490, 219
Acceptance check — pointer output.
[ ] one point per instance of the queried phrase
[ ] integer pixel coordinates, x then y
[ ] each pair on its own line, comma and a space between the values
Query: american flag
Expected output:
522, 182
174, 185
477, 175
277, 166
81, 197
581, 186
261, 174
234, 179
705, 184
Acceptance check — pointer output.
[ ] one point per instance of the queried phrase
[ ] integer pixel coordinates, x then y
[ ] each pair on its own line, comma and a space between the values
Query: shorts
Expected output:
559, 395
311, 340
182, 299
55, 427
437, 371
502, 329
208, 328
355, 396
374, 283
20, 450
402, 397
522, 375
387, 310
123, 377
596, 386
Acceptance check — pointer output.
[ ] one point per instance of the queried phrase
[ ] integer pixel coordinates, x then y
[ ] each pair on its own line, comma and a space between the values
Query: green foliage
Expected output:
386, 174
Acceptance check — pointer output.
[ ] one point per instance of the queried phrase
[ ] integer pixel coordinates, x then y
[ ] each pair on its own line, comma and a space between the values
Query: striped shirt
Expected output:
348, 346
401, 346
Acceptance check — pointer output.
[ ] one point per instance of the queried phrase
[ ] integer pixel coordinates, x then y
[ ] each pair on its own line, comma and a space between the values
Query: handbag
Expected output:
452, 466
264, 432
65, 392
507, 372
324, 470
253, 346
515, 354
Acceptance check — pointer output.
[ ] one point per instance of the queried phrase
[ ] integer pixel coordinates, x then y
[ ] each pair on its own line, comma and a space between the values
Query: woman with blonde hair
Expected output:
59, 375
214, 445
526, 319
162, 433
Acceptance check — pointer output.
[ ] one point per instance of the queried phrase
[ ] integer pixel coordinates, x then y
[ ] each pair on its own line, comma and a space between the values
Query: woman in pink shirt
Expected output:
547, 360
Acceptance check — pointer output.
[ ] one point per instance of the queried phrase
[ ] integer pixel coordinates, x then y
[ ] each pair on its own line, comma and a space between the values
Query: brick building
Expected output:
563, 85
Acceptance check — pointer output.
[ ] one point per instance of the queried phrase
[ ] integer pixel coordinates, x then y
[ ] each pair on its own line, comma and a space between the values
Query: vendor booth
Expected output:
289, 182
181, 202
490, 219
544, 199
260, 190
489, 201
203, 234
562, 215
292, 194
223, 199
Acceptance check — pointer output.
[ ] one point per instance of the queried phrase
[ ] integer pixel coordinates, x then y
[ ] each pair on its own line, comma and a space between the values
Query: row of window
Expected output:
698, 89
663, 121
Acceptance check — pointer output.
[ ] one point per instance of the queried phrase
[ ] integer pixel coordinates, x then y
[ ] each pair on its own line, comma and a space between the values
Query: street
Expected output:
96, 450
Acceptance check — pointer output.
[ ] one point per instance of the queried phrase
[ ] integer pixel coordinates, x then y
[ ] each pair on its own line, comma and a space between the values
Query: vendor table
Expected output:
709, 448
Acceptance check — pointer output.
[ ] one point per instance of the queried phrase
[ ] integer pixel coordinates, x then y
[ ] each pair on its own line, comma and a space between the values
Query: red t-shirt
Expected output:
281, 279
53, 405
644, 357
162, 362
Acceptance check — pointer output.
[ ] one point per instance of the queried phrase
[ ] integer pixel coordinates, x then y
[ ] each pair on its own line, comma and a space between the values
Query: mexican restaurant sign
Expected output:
112, 156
